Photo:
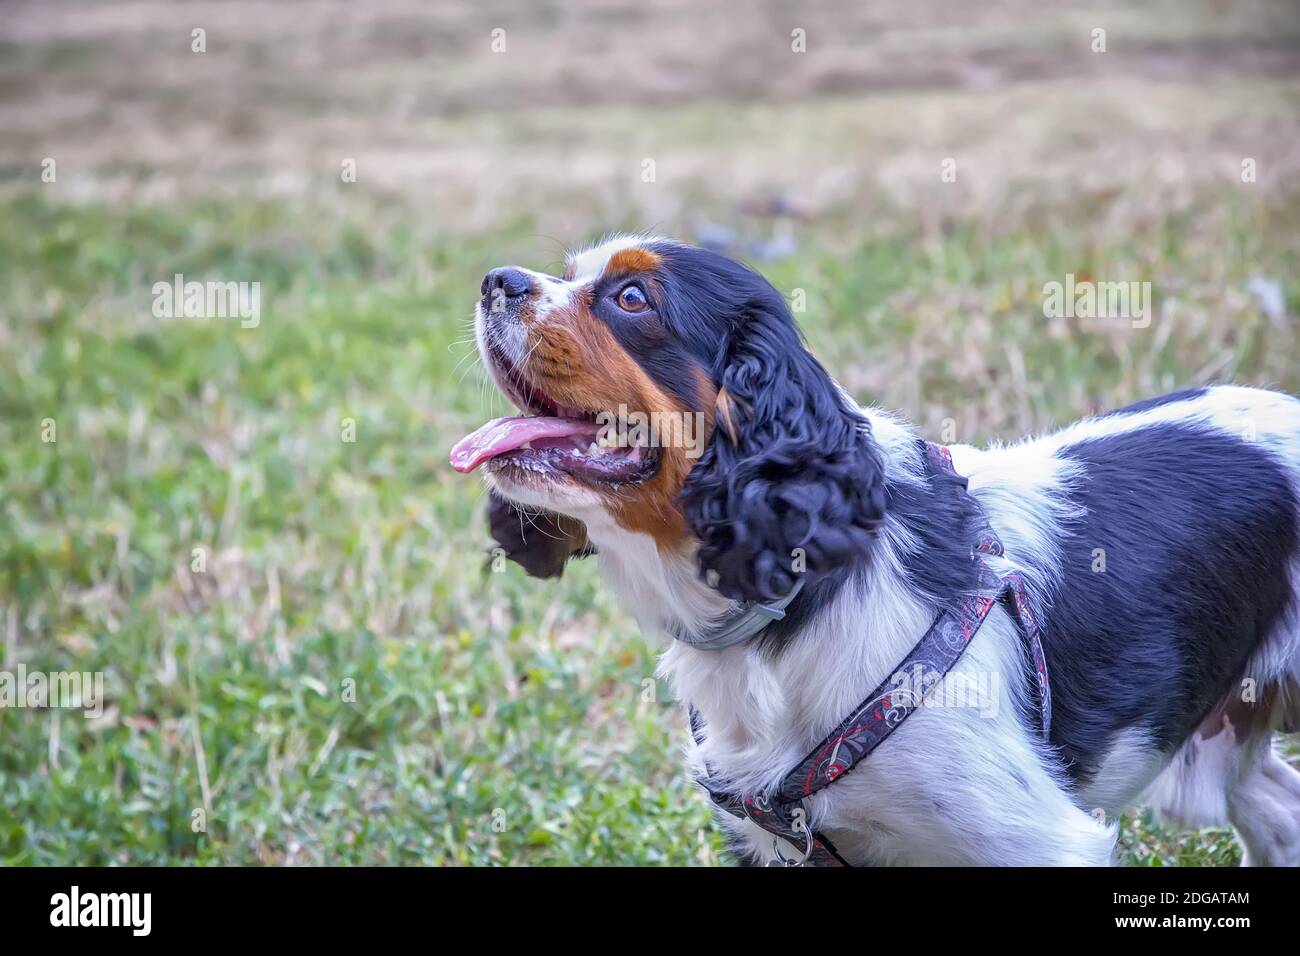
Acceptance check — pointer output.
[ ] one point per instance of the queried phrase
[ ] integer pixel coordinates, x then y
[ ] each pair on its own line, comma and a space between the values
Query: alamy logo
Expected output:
134, 910
922, 686
1085, 299
626, 429
75, 690
179, 299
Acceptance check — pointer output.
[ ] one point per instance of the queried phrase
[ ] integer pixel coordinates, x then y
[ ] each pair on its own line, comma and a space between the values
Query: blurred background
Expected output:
304, 657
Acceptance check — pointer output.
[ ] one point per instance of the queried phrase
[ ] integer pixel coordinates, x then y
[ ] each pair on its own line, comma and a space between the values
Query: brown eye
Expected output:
632, 299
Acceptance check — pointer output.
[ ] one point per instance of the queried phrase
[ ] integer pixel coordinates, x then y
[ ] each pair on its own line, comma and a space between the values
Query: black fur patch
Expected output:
941, 518
538, 541
944, 520
1197, 529
799, 491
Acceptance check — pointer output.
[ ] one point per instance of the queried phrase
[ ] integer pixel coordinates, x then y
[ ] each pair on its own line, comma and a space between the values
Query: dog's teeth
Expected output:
594, 449
526, 446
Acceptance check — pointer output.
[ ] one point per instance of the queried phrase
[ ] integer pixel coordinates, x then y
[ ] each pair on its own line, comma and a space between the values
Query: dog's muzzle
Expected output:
505, 289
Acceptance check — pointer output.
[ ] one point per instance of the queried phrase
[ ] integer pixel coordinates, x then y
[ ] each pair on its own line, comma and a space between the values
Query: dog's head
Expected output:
667, 389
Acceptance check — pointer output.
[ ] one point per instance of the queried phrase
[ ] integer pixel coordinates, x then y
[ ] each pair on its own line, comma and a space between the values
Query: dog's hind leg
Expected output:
1264, 807
1228, 773
1265, 811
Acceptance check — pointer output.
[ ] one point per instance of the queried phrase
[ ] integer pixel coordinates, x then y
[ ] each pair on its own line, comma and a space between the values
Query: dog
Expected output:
1157, 549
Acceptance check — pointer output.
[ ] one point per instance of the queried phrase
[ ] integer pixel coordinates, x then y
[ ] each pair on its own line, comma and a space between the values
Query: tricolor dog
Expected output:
896, 653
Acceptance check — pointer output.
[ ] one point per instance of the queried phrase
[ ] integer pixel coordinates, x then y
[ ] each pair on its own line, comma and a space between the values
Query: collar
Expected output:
740, 623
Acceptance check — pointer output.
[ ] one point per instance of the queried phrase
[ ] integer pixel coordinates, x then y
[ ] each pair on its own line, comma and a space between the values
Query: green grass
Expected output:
493, 721
346, 682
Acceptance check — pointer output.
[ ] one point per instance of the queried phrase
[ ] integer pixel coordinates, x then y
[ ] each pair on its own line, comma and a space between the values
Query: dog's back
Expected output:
1167, 571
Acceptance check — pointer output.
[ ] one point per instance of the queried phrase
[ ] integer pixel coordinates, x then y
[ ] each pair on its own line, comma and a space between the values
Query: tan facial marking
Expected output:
632, 260
723, 406
576, 359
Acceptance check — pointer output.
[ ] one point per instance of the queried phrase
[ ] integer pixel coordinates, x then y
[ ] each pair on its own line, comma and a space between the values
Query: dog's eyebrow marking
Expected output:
591, 262
633, 260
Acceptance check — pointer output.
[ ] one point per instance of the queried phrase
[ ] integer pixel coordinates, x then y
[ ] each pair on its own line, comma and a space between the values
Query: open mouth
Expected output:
553, 440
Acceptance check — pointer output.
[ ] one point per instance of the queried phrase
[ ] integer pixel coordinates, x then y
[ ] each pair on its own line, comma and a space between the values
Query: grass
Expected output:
344, 680
493, 721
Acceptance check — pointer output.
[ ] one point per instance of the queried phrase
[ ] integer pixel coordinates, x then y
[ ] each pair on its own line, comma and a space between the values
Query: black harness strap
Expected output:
781, 812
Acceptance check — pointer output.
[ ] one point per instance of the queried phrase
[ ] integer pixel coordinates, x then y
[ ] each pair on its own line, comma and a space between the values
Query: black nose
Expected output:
513, 283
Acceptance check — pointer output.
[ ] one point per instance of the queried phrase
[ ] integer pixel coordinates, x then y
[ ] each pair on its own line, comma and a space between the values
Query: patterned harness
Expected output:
782, 812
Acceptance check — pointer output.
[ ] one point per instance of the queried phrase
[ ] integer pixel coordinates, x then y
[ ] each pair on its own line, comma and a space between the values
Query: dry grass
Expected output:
556, 127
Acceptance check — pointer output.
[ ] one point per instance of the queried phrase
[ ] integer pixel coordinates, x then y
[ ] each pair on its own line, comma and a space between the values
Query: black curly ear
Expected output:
791, 484
540, 542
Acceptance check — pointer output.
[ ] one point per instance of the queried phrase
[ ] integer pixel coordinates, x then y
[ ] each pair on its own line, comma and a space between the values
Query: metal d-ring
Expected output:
783, 860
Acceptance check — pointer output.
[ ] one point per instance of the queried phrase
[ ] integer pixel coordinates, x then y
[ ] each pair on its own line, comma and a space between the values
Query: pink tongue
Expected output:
506, 434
